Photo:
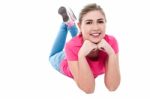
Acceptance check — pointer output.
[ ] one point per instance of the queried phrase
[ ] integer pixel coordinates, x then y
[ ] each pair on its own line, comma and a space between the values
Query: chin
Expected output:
95, 41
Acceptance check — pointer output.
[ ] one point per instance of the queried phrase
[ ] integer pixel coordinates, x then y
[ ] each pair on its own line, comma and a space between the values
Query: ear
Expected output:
79, 25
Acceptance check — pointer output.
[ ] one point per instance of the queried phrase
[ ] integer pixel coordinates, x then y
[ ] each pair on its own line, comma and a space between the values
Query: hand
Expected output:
87, 47
104, 46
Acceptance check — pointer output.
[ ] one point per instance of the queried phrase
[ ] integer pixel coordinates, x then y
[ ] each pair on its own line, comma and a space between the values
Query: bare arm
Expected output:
82, 75
81, 71
112, 75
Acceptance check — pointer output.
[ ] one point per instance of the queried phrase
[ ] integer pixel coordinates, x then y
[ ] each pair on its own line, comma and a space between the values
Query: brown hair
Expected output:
88, 8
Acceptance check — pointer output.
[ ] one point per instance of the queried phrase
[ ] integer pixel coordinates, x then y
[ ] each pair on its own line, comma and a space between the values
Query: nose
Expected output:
95, 26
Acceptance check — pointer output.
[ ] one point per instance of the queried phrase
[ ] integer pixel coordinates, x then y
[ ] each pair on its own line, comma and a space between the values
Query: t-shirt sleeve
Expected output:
114, 44
71, 53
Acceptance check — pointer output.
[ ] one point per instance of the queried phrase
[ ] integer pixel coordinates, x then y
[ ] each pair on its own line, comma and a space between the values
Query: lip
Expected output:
95, 34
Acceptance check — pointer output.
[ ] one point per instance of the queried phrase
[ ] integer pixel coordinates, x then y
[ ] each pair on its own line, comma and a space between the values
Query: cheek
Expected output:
104, 28
103, 35
85, 34
83, 28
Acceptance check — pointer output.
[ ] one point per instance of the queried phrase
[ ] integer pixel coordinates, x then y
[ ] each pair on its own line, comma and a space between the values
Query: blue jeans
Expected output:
57, 53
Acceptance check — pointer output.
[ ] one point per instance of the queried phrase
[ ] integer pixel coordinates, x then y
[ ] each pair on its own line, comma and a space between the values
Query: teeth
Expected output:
95, 34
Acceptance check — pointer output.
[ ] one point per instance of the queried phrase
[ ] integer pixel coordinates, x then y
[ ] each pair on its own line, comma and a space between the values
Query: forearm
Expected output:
112, 75
85, 76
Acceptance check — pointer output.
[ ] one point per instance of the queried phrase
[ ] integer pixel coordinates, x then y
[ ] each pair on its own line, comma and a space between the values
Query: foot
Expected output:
63, 12
67, 14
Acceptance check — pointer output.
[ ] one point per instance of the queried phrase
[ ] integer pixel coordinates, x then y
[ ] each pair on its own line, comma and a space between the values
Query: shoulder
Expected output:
72, 47
75, 41
110, 39
113, 42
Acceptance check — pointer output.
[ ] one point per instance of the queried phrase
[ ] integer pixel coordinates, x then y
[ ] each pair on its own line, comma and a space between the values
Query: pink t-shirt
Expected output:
71, 52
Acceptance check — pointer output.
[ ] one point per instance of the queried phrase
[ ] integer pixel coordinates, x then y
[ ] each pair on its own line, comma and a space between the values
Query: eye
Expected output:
89, 22
100, 21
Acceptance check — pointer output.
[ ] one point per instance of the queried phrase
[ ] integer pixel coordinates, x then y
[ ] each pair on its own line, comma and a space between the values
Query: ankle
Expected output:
70, 24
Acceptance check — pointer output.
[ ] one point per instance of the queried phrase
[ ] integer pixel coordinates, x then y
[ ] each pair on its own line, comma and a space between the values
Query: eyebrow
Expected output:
97, 19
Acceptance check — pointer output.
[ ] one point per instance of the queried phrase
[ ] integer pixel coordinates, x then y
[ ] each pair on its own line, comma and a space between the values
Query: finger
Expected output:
94, 49
102, 48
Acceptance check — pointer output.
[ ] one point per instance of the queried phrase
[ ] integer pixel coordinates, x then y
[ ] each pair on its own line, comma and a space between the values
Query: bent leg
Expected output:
57, 53
73, 30
56, 59
60, 40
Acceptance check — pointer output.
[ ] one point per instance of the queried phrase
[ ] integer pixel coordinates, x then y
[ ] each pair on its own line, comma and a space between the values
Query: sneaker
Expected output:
67, 14
63, 12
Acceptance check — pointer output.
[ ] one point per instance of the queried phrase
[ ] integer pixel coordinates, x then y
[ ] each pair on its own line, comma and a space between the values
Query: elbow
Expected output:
112, 87
112, 84
87, 89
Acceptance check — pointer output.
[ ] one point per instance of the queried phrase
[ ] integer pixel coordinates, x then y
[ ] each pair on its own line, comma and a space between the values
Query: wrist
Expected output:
111, 53
81, 54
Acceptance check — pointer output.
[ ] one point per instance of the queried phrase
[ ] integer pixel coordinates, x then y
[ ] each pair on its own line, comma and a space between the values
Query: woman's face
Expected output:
93, 26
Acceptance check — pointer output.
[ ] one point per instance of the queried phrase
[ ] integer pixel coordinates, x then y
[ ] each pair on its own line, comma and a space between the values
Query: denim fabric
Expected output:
57, 53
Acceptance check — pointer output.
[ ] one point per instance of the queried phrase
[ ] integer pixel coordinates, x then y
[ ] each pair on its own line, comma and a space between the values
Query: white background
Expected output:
27, 32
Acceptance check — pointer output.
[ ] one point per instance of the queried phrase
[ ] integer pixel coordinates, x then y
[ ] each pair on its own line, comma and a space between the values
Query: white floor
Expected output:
28, 29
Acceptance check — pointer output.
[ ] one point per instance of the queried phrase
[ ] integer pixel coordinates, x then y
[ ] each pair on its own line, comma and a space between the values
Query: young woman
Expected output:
89, 54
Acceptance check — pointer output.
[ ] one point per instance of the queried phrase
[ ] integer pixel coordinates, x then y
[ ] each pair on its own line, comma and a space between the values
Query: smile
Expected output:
95, 34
